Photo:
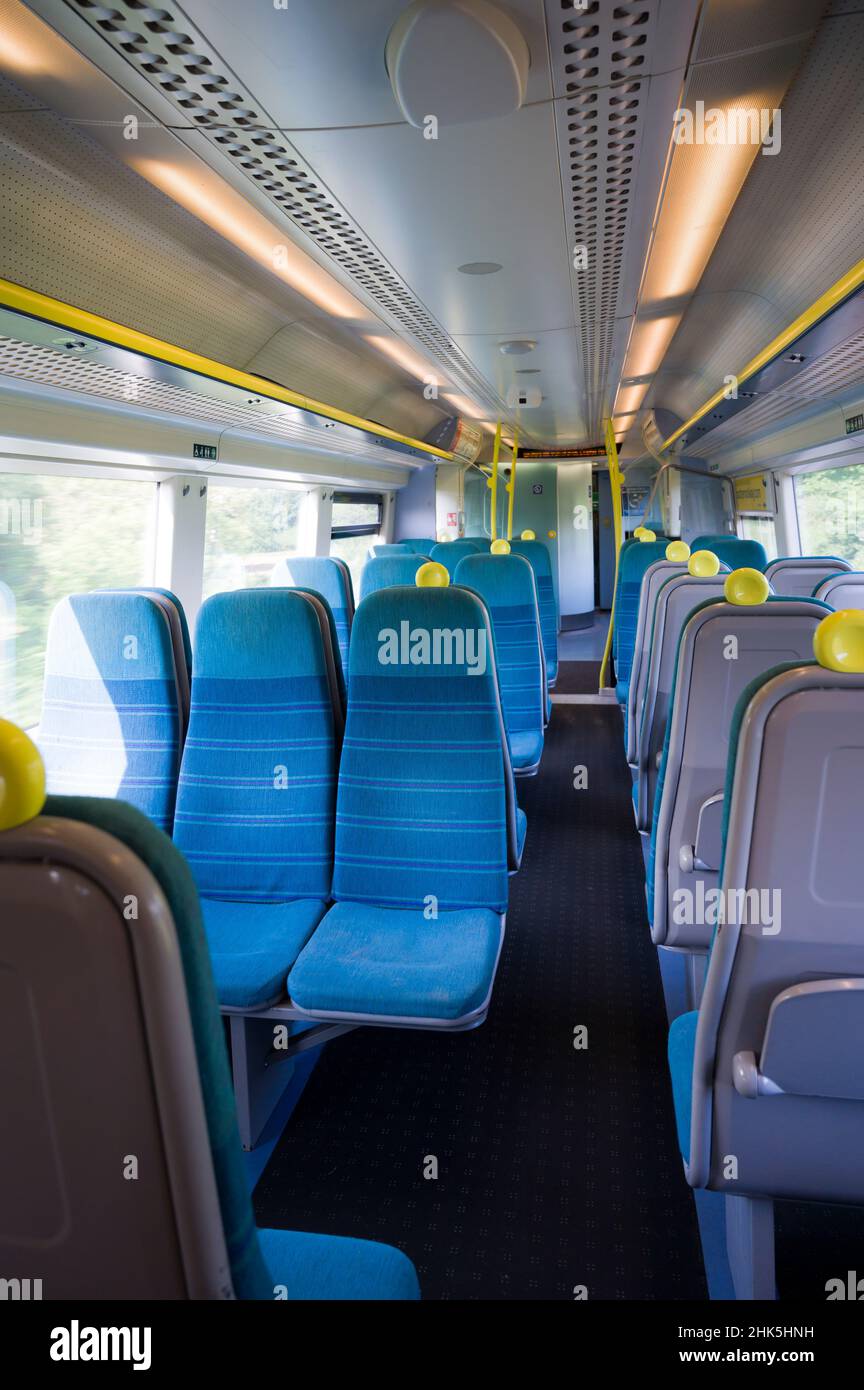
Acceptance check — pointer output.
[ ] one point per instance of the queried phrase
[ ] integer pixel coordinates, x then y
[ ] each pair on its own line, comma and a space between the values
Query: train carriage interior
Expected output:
432, 651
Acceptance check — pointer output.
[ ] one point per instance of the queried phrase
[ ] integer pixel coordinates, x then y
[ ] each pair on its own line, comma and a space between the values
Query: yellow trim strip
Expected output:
41, 306
846, 285
615, 479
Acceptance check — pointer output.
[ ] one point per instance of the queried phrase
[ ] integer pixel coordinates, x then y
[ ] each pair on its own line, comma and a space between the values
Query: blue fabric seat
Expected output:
383, 571
732, 551
633, 561
422, 842
449, 553
257, 791
328, 577
390, 548
506, 585
537, 555
254, 945
388, 961
681, 1049
311, 1267
421, 545
111, 714
266, 1264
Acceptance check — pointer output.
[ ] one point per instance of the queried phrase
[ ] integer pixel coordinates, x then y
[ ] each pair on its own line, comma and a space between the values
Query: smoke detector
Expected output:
456, 60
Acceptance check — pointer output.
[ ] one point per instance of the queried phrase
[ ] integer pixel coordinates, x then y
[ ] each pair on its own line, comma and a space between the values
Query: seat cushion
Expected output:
526, 748
682, 1045
521, 829
254, 945
396, 962
336, 1267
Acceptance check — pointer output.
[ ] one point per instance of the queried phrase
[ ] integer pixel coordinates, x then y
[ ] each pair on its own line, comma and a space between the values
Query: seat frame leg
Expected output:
258, 1086
750, 1246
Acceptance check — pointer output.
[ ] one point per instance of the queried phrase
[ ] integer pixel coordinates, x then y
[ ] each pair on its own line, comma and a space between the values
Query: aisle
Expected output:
556, 1167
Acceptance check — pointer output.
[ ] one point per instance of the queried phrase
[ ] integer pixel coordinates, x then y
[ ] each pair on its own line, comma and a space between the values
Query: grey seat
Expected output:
675, 601
844, 590
800, 574
767, 1079
652, 582
711, 673
122, 1170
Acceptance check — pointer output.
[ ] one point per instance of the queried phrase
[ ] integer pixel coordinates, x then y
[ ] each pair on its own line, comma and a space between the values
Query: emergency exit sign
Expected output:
854, 424
204, 451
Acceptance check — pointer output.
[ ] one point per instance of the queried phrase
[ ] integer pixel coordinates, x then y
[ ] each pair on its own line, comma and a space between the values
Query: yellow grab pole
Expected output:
493, 482
615, 480
511, 486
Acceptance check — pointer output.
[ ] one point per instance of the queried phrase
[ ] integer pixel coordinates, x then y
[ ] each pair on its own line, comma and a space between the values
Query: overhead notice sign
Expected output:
754, 494
587, 451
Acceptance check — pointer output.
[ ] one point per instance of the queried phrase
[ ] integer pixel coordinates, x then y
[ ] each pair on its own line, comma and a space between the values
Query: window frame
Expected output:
338, 533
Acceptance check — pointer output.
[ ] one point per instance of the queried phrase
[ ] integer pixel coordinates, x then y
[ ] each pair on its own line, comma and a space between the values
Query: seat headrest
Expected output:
421, 632
500, 578
746, 587
258, 634
109, 635
838, 642
22, 777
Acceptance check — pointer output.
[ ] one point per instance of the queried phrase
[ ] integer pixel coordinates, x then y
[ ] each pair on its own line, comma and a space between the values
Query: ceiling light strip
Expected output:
41, 306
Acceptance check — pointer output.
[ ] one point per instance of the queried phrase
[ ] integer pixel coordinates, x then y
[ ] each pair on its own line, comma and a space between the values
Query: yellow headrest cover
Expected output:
703, 564
432, 576
645, 535
500, 547
678, 552
838, 642
22, 777
746, 587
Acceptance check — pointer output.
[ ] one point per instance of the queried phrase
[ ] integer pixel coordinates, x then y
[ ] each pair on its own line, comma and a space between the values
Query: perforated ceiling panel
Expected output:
601, 60
175, 57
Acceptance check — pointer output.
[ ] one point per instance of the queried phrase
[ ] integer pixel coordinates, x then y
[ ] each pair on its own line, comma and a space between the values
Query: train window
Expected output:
55, 540
830, 507
355, 524
248, 530
762, 529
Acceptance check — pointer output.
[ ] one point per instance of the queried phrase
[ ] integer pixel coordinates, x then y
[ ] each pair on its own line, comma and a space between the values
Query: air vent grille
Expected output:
177, 60
600, 57
65, 371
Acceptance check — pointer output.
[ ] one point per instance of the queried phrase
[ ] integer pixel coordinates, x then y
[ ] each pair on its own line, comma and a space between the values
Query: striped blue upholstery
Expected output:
537, 555
506, 585
449, 553
111, 714
383, 571
634, 561
328, 578
421, 864
256, 799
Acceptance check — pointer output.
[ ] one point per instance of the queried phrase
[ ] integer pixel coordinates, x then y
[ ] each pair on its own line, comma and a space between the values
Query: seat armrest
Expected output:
813, 1044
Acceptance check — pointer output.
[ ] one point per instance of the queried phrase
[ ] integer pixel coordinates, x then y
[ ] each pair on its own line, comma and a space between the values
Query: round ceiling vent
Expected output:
455, 61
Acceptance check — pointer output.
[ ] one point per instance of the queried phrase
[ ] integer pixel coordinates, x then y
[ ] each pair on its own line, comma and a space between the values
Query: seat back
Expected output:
112, 713
424, 780
844, 590
634, 560
777, 1074
256, 798
733, 551
449, 553
180, 640
7, 649
506, 585
392, 548
123, 1136
421, 545
675, 601
383, 571
538, 556
652, 582
330, 578
801, 574
722, 648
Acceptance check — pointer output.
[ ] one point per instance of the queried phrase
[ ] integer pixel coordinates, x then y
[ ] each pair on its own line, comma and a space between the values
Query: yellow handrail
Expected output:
511, 486
615, 481
41, 306
493, 482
